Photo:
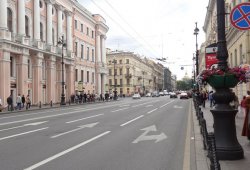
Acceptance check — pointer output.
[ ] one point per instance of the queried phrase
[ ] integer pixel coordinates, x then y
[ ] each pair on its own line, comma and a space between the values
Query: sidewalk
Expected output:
202, 162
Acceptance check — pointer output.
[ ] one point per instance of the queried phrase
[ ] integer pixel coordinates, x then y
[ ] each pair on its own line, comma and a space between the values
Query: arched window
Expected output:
27, 26
41, 31
9, 19
53, 36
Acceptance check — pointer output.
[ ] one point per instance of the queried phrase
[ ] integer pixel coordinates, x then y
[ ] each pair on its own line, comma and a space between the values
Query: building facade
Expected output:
128, 73
31, 57
167, 80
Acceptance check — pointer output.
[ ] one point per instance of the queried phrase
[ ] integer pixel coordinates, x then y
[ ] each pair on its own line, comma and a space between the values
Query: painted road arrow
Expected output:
79, 128
28, 124
145, 137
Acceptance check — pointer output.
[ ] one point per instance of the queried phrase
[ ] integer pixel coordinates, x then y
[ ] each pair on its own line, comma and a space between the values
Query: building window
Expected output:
92, 34
127, 61
81, 27
27, 26
41, 31
241, 56
29, 69
11, 67
87, 30
76, 48
115, 71
120, 82
93, 56
82, 77
235, 57
87, 53
82, 51
43, 71
110, 72
115, 82
9, 19
110, 82
127, 71
75, 24
120, 71
93, 77
120, 61
128, 82
88, 76
53, 36
76, 75
40, 4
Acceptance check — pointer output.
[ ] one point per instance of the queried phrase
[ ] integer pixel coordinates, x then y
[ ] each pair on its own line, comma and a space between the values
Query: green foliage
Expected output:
186, 84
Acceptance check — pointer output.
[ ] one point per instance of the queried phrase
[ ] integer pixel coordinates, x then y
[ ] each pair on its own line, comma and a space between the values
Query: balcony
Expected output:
128, 76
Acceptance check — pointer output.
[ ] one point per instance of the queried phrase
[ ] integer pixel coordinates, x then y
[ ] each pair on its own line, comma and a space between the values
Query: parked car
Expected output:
161, 93
148, 95
136, 96
183, 96
173, 95
155, 94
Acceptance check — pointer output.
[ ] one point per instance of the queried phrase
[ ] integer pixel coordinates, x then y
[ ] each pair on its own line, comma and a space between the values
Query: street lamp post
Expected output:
227, 145
61, 42
196, 32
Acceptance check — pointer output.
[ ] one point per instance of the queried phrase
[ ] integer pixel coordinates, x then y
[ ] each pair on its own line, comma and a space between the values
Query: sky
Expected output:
154, 29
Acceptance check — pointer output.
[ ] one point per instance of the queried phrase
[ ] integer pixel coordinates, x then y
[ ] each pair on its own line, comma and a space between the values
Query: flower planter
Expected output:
223, 81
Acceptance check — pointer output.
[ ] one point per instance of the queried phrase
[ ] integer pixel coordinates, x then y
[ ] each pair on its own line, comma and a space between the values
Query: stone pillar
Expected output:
37, 78
51, 79
3, 14
104, 81
103, 49
69, 31
21, 17
22, 76
5, 75
99, 83
70, 82
59, 21
98, 47
36, 20
49, 22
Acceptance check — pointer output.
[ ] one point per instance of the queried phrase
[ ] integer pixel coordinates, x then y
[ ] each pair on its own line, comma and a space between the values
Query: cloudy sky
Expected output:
154, 28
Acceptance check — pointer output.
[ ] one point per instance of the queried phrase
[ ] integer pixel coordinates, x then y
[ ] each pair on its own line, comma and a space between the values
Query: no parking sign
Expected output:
240, 16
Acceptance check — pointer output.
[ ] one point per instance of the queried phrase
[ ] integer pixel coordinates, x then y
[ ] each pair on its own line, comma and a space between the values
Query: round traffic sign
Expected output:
240, 16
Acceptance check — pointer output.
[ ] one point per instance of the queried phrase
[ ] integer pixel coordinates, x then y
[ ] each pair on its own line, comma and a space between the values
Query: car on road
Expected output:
148, 95
173, 95
183, 96
161, 93
136, 96
155, 94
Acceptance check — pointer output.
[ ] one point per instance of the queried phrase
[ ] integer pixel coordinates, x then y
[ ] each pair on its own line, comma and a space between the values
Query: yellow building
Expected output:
128, 73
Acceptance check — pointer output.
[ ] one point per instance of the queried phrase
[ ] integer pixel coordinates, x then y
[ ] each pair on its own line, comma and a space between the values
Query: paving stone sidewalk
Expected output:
203, 163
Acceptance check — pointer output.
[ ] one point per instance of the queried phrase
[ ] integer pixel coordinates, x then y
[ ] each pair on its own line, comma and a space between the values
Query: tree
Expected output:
186, 84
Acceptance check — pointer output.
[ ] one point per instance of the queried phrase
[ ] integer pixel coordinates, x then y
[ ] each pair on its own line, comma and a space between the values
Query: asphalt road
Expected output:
144, 134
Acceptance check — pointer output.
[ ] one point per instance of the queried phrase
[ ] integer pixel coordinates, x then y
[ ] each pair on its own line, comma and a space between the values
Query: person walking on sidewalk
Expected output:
23, 101
28, 102
243, 106
246, 130
10, 103
210, 98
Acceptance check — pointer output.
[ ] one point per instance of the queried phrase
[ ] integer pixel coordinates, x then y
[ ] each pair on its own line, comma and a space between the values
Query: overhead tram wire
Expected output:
130, 26
122, 27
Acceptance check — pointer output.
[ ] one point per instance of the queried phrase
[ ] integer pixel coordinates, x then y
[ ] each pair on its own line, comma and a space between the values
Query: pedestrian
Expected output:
19, 101
10, 103
23, 100
245, 129
211, 99
28, 102
243, 106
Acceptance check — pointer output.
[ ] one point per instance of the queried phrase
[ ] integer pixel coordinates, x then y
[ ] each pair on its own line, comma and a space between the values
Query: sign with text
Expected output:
210, 56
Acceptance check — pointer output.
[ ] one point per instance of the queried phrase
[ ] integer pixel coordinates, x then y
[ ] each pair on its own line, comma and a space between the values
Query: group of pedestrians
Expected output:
21, 102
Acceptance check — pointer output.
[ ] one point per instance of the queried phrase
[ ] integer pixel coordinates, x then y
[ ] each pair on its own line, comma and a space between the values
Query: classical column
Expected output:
103, 38
99, 83
98, 47
36, 20
5, 75
37, 78
69, 31
22, 75
70, 82
21, 17
104, 81
49, 22
59, 21
51, 79
3, 14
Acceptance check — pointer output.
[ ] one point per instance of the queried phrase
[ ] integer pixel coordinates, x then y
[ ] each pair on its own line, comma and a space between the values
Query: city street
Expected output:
144, 134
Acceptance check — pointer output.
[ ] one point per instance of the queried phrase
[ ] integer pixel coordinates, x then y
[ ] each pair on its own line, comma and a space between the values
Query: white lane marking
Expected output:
145, 103
24, 133
79, 128
126, 105
124, 124
166, 104
66, 151
84, 118
148, 105
152, 111
119, 109
29, 124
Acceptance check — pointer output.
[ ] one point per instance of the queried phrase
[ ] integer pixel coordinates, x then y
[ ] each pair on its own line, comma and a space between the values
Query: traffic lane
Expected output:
119, 151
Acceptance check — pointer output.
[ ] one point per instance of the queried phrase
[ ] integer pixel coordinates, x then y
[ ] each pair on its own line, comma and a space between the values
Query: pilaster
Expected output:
49, 21
5, 75
36, 20
51, 79
21, 17
3, 14
22, 76
37, 78
69, 31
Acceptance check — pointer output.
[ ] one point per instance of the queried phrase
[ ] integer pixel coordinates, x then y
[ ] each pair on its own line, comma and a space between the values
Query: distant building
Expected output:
167, 80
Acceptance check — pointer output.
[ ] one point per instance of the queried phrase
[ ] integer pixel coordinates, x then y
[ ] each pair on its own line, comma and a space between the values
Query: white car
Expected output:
148, 95
136, 96
183, 96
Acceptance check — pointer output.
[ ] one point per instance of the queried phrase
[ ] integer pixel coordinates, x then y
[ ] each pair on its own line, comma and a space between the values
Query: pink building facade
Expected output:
31, 58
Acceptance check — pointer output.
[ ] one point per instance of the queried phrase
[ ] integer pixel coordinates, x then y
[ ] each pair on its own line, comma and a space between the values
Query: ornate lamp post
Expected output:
227, 145
196, 32
61, 42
